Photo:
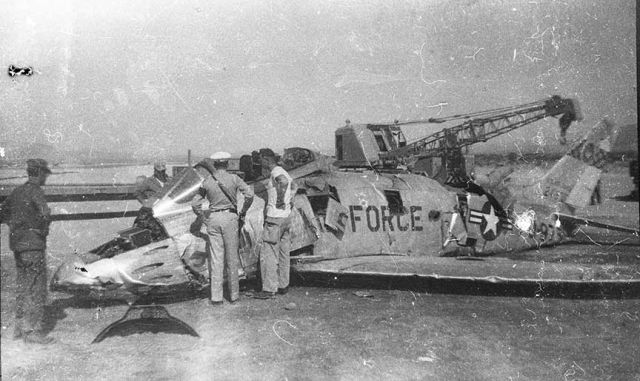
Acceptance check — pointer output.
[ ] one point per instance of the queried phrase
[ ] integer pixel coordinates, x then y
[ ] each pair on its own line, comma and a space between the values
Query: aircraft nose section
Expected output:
70, 276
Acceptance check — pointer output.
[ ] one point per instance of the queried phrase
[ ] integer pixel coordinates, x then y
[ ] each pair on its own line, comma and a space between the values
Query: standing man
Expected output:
274, 254
221, 220
28, 216
147, 189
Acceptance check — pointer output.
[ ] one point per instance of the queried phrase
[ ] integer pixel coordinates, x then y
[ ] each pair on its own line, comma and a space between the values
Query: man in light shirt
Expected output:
274, 254
221, 220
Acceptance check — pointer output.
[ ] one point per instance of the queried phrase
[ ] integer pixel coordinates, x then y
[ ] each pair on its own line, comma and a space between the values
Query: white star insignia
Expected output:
492, 222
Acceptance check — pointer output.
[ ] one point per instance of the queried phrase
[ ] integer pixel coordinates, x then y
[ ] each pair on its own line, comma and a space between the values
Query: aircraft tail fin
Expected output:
574, 178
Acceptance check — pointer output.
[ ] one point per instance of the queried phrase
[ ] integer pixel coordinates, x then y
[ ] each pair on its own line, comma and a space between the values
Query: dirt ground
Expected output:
342, 334
333, 333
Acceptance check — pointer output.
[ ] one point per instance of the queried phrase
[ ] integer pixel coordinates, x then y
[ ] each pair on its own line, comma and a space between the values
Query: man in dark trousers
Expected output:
221, 219
28, 216
148, 188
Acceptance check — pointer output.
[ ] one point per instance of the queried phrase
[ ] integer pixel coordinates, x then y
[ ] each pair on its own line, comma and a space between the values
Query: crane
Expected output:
384, 145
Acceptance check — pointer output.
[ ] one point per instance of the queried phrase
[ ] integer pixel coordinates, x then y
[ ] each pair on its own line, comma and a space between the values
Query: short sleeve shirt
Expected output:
217, 199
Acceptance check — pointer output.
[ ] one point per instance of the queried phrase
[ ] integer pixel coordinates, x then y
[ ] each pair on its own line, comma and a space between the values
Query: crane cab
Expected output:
360, 145
374, 145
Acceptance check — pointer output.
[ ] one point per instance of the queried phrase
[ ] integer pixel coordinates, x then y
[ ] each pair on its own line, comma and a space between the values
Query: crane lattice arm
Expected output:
484, 125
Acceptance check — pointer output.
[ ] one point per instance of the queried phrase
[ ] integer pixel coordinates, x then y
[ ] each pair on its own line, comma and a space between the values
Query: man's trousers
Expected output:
274, 253
222, 228
31, 295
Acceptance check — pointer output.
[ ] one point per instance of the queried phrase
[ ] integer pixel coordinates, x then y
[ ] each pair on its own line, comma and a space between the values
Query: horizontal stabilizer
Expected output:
566, 219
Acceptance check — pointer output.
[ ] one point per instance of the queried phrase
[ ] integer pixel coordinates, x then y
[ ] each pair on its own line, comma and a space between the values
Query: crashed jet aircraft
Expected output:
390, 226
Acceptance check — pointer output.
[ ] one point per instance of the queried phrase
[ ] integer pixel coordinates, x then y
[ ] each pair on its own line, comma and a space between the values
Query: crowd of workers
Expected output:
26, 212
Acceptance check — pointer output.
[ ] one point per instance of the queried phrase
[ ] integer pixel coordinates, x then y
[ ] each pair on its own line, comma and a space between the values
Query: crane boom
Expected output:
484, 126
384, 145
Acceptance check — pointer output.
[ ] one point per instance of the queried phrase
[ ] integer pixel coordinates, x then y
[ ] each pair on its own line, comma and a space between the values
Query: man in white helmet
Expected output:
221, 188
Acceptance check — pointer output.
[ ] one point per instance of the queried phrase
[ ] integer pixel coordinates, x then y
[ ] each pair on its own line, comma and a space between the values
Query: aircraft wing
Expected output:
566, 219
487, 275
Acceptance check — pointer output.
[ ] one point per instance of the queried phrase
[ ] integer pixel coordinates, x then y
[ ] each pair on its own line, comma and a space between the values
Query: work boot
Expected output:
283, 291
37, 338
264, 295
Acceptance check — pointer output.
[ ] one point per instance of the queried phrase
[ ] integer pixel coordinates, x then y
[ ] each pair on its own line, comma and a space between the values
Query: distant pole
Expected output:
189, 157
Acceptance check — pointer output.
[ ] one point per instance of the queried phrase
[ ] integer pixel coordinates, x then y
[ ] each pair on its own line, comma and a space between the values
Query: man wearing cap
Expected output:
28, 216
221, 220
274, 253
147, 189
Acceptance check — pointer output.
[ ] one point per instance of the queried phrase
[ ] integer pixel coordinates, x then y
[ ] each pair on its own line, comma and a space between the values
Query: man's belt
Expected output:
231, 210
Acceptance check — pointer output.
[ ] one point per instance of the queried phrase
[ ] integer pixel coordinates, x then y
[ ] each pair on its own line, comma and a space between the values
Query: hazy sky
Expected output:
154, 76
